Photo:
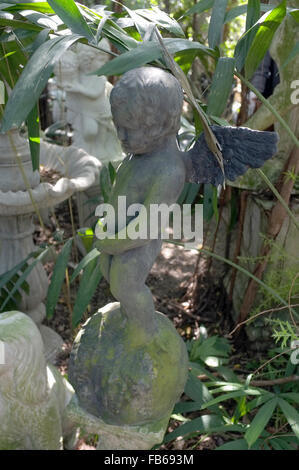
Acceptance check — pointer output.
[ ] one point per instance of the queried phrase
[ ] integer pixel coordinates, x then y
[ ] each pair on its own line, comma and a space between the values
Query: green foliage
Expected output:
58, 276
229, 401
12, 282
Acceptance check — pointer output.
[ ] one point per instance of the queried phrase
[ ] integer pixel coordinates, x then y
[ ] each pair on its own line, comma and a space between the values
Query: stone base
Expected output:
123, 379
133, 438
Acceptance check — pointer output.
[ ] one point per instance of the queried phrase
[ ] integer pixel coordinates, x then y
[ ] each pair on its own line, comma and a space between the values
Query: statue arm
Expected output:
161, 192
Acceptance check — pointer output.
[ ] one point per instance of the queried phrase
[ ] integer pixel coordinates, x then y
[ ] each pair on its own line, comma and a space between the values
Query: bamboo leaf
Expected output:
33, 80
42, 7
243, 45
295, 14
160, 18
260, 421
216, 23
93, 254
33, 135
263, 38
199, 7
196, 390
221, 86
148, 52
70, 14
90, 279
235, 12
58, 278
206, 424
291, 414
22, 278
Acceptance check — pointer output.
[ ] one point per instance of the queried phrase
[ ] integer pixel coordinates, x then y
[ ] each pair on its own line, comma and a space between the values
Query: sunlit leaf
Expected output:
33, 80
33, 136
216, 23
70, 14
260, 421
263, 38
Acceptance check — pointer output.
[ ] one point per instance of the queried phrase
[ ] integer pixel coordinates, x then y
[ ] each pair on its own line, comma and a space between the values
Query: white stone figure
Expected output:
33, 395
38, 407
87, 101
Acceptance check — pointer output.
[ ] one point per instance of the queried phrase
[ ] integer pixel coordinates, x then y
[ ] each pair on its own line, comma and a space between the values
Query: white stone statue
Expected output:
38, 407
33, 395
87, 101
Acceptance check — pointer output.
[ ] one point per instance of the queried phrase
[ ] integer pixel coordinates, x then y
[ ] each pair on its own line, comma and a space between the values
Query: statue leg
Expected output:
128, 273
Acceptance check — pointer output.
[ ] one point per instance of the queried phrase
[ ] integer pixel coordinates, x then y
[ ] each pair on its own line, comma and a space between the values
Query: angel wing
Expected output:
242, 148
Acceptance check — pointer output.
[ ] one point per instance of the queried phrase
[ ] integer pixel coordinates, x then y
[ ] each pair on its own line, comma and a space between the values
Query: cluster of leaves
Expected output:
233, 407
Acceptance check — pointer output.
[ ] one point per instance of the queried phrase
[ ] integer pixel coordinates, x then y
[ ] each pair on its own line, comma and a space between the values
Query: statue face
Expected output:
134, 137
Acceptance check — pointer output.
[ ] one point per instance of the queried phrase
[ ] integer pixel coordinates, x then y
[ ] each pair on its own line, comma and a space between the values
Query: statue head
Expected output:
146, 105
90, 58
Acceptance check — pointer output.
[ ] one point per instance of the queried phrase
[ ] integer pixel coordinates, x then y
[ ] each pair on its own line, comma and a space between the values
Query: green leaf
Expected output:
70, 14
105, 183
228, 396
192, 191
58, 278
208, 209
187, 406
93, 254
148, 52
295, 14
17, 24
22, 278
33, 135
160, 18
33, 80
291, 415
42, 7
241, 444
259, 401
216, 23
238, 444
260, 421
235, 12
112, 172
204, 424
243, 45
253, 13
212, 346
199, 7
196, 390
263, 38
221, 87
89, 281
293, 396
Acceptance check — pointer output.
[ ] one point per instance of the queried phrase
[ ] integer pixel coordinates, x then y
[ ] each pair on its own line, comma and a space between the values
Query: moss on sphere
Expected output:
121, 380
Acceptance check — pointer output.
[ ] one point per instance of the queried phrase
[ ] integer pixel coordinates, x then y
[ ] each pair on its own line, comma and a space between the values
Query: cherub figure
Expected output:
87, 101
146, 107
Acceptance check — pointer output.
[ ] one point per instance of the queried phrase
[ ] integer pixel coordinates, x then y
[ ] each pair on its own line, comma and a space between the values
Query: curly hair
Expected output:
151, 97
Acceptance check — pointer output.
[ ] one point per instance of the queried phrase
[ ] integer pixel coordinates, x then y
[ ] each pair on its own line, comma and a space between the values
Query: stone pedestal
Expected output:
128, 384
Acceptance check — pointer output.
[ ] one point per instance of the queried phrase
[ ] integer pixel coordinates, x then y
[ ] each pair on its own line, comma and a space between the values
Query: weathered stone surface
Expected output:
122, 380
33, 395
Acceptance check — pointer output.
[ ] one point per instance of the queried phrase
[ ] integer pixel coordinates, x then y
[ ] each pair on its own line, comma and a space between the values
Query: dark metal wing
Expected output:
242, 148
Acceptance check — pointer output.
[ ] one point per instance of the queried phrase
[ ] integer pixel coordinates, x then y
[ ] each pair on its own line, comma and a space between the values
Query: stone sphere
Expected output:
121, 380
